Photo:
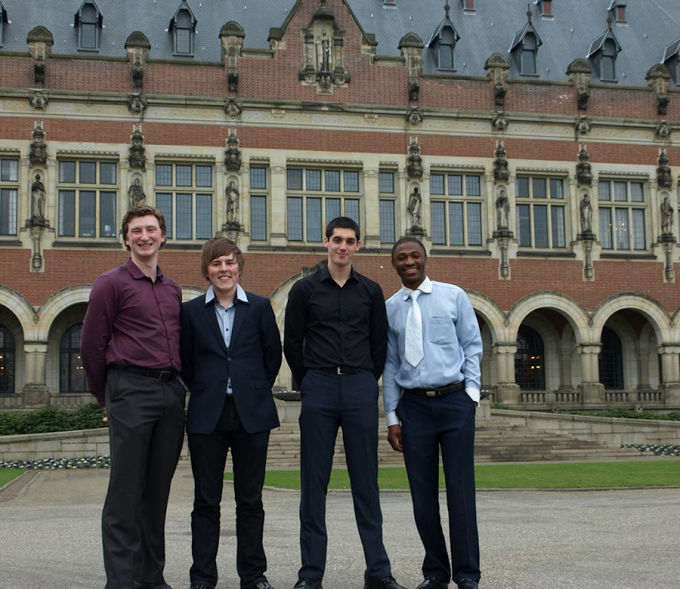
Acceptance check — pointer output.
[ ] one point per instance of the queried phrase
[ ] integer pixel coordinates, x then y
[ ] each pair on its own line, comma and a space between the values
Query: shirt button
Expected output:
228, 359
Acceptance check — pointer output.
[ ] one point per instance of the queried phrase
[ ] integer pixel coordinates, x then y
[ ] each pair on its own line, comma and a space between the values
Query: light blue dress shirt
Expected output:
225, 317
452, 344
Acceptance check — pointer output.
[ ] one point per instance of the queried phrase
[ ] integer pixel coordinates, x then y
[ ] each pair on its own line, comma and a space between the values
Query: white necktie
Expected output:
414, 332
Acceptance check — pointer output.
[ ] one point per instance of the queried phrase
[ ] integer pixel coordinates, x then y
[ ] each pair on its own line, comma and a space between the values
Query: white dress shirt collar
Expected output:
240, 294
425, 286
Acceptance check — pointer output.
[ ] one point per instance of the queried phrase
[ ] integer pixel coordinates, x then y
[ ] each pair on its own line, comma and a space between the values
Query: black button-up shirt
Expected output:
328, 325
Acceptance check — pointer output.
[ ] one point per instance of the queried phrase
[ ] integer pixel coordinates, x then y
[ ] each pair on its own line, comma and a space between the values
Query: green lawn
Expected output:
586, 475
9, 474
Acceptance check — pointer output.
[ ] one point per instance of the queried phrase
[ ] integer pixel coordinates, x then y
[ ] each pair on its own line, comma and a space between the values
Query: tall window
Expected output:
387, 196
88, 22
183, 24
71, 373
529, 360
447, 43
622, 210
184, 192
7, 359
540, 212
608, 63
87, 198
611, 360
528, 54
456, 209
258, 204
317, 196
9, 187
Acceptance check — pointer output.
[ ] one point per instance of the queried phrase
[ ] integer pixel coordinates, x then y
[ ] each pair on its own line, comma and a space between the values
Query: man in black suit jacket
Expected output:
231, 354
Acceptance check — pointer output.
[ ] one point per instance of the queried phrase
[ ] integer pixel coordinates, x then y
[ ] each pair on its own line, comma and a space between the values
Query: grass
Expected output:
7, 475
587, 475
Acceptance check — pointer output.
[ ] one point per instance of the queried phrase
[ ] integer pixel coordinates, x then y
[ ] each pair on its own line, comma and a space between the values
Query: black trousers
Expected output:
249, 458
146, 430
429, 424
328, 402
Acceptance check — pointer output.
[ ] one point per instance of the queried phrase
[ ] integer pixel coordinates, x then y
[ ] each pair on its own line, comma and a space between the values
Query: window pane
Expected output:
258, 217
88, 172
183, 175
295, 219
438, 223
164, 204
522, 186
88, 36
437, 184
637, 192
203, 175
67, 213
183, 41
556, 188
387, 233
541, 225
8, 212
351, 180
539, 187
107, 173
639, 239
352, 210
524, 225
164, 175
446, 56
455, 185
604, 191
184, 220
620, 191
67, 172
605, 220
107, 214
557, 219
457, 235
258, 178
473, 185
86, 213
332, 181
332, 209
9, 171
314, 229
294, 179
474, 223
621, 229
203, 216
313, 178
608, 68
528, 62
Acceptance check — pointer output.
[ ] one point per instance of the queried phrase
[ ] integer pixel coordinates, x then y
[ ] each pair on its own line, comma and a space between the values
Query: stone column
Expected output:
371, 237
277, 195
35, 390
670, 360
507, 390
565, 370
643, 370
592, 391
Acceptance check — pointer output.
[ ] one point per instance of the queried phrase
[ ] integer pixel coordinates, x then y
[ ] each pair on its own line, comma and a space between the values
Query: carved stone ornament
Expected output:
233, 204
136, 195
579, 72
414, 165
583, 126
664, 179
500, 122
232, 108
38, 153
501, 173
584, 174
411, 47
232, 35
136, 104
658, 78
232, 156
663, 130
138, 46
37, 202
497, 70
137, 152
39, 40
415, 116
38, 100
414, 209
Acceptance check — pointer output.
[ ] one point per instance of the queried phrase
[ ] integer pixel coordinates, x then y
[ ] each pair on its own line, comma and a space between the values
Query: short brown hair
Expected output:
143, 211
216, 247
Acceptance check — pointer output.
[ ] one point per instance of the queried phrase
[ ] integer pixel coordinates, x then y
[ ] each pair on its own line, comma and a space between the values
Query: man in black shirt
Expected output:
335, 344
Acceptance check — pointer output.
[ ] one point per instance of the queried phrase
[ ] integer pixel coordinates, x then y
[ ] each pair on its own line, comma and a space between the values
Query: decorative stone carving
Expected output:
136, 104
232, 108
501, 173
414, 208
232, 156
232, 35
233, 198
664, 179
579, 72
37, 202
414, 116
500, 122
497, 70
663, 130
586, 214
38, 153
666, 216
38, 100
137, 152
136, 195
583, 126
502, 211
137, 46
657, 78
411, 47
414, 163
584, 174
40, 42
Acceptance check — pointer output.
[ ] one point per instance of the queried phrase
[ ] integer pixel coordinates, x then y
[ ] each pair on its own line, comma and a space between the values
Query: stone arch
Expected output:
21, 309
58, 302
490, 312
650, 308
190, 292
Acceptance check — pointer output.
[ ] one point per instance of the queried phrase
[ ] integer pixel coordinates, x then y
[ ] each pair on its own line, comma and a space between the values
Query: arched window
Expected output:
611, 360
608, 71
447, 43
71, 374
528, 56
529, 360
7, 358
184, 42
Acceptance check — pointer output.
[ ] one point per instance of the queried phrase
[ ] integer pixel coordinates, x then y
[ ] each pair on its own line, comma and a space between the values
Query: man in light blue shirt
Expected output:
431, 387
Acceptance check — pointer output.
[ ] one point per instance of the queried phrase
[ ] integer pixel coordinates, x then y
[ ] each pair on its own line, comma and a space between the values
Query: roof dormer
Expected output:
617, 10
671, 59
183, 27
89, 21
545, 6
524, 48
603, 53
443, 41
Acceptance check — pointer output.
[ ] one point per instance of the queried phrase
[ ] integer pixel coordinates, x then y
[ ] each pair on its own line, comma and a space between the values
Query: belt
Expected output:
165, 375
438, 392
340, 370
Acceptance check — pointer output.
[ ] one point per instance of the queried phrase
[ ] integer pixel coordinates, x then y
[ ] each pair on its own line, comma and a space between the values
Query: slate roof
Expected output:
652, 25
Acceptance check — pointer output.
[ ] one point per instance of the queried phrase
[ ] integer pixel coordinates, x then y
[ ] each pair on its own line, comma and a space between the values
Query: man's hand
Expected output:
394, 437
105, 419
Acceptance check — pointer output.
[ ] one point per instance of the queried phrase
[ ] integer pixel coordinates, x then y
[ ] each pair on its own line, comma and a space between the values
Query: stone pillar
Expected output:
277, 194
371, 237
592, 391
507, 390
35, 390
643, 370
670, 360
565, 370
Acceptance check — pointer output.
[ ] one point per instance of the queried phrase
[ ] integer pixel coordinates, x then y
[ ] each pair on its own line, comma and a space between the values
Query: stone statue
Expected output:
38, 200
324, 53
137, 152
666, 217
586, 209
232, 156
136, 194
502, 211
38, 153
415, 205
232, 203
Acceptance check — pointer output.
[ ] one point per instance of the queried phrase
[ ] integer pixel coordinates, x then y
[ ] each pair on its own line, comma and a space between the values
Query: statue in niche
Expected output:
232, 157
415, 205
136, 194
324, 52
502, 211
137, 155
233, 196
38, 153
666, 217
586, 210
38, 201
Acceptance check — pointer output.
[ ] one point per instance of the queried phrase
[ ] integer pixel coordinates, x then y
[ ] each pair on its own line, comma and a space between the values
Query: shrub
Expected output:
51, 419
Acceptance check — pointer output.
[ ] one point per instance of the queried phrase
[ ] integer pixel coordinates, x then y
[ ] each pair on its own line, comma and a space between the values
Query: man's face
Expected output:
144, 237
409, 261
341, 246
224, 274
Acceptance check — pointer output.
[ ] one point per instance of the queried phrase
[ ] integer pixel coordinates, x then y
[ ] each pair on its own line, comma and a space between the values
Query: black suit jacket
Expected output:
252, 362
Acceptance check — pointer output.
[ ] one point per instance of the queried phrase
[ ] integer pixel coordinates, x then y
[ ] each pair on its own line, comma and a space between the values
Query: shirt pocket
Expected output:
441, 329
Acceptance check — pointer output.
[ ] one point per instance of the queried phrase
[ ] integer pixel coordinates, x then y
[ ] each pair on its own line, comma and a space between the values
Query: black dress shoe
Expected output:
384, 583
263, 584
432, 583
201, 586
468, 584
308, 583
139, 585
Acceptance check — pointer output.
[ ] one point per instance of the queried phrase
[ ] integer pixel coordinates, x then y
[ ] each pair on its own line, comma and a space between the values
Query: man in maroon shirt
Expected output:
130, 352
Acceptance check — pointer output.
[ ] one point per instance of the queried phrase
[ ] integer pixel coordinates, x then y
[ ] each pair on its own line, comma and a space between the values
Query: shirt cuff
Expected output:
473, 394
391, 418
